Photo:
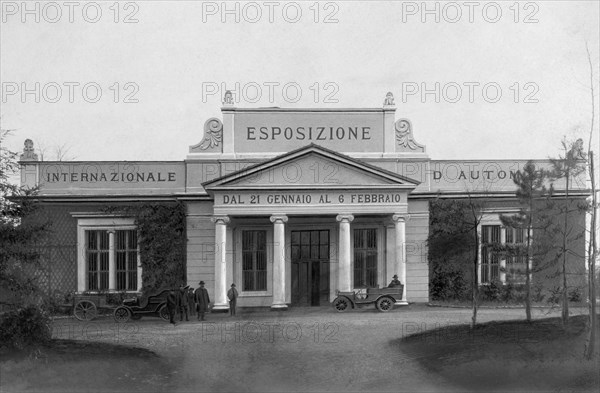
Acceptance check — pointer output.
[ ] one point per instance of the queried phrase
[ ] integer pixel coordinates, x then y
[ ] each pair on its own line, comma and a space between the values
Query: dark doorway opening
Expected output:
310, 267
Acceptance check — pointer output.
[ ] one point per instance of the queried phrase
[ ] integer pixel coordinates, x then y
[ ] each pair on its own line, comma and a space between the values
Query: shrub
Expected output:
448, 283
56, 302
575, 295
537, 293
492, 292
450, 250
161, 229
555, 295
23, 327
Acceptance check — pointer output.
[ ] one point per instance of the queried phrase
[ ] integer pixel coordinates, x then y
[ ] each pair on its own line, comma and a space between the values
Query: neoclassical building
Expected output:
288, 204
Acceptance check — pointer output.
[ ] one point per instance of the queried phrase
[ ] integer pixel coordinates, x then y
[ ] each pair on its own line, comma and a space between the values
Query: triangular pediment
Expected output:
312, 167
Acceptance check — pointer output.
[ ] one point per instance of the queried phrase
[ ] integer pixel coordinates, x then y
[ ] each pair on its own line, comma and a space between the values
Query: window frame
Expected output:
93, 222
493, 218
524, 257
238, 259
366, 252
381, 254
254, 252
126, 252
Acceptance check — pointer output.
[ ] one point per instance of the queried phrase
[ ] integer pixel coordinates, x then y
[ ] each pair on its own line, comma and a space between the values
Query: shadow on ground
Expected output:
76, 366
507, 355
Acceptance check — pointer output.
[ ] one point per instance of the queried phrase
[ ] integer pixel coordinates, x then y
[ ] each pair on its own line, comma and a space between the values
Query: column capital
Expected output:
344, 218
220, 219
400, 217
279, 217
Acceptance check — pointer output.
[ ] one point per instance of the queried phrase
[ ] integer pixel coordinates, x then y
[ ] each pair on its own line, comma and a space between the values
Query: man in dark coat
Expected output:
202, 301
191, 307
232, 295
395, 282
182, 302
172, 305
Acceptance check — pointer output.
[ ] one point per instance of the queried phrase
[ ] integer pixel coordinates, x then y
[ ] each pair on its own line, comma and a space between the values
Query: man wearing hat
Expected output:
395, 282
232, 295
202, 300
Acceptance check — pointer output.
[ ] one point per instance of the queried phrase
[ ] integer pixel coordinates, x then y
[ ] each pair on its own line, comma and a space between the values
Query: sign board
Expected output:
311, 202
351, 131
487, 175
111, 177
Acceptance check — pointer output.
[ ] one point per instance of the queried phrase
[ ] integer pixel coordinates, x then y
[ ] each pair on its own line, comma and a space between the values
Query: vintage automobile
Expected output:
384, 298
154, 305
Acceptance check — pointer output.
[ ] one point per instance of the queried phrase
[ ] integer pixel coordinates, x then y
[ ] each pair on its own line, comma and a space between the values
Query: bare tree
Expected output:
61, 152
592, 246
567, 167
475, 209
54, 153
532, 215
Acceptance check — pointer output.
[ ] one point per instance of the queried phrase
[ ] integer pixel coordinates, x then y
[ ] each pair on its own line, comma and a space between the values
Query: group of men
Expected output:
187, 302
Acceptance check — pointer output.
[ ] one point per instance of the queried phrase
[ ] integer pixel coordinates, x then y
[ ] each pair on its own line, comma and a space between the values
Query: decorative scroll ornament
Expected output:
404, 135
28, 151
389, 99
213, 134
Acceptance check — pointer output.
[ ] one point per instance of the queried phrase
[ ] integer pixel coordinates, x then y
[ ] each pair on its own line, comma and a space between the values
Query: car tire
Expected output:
122, 314
163, 312
341, 304
384, 304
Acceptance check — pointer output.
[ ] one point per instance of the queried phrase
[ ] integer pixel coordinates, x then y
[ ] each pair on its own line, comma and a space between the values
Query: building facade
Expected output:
291, 205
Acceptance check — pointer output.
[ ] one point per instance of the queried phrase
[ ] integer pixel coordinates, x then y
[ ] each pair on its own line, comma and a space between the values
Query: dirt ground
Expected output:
301, 350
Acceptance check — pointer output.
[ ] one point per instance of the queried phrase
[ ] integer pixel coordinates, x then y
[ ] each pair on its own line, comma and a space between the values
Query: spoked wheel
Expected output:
85, 310
341, 304
163, 312
122, 314
384, 304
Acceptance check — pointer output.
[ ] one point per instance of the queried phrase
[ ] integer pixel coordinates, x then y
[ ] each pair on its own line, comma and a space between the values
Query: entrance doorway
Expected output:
310, 267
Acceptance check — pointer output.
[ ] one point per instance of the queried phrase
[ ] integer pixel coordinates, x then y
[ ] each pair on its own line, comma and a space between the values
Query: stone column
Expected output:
112, 265
344, 253
220, 296
279, 262
400, 224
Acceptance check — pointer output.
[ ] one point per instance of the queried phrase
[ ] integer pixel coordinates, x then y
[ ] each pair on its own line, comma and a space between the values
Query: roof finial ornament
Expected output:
389, 100
228, 98
28, 151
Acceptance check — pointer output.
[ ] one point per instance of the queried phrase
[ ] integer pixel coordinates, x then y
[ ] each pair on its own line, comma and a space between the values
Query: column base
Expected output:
401, 303
220, 308
279, 307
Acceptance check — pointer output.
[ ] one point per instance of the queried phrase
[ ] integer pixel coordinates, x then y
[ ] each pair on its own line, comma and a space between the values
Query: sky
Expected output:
137, 80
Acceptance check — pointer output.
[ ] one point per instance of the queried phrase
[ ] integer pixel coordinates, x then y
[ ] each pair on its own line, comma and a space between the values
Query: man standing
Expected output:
232, 295
182, 302
171, 305
202, 300
191, 307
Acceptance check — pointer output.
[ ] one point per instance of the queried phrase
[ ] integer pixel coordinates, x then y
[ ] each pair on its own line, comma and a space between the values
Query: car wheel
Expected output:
341, 304
122, 314
163, 312
384, 304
